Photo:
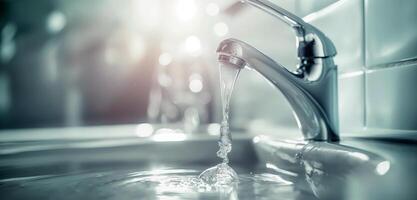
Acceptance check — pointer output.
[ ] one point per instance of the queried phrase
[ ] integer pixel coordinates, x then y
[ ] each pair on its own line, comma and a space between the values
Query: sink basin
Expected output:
118, 163
127, 166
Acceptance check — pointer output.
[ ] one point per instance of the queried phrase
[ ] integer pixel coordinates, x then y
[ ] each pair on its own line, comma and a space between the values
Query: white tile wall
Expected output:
391, 36
392, 98
391, 31
351, 102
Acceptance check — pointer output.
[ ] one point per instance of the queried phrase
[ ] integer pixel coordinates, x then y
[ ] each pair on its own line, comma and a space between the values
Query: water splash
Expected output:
175, 183
219, 175
223, 174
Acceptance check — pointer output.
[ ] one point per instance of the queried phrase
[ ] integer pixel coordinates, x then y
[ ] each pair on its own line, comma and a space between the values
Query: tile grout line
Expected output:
395, 64
364, 98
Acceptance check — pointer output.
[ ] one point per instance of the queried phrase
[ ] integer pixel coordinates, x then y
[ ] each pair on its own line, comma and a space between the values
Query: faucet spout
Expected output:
311, 90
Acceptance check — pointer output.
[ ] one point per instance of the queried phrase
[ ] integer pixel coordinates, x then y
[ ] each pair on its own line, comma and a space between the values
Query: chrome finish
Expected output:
311, 41
312, 89
332, 170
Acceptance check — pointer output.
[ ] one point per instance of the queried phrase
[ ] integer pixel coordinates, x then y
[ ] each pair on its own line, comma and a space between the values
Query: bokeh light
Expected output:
168, 135
165, 59
221, 29
213, 129
192, 44
144, 130
55, 22
196, 83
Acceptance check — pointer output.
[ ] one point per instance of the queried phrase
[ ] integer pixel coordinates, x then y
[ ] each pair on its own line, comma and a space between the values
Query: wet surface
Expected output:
356, 168
153, 184
114, 168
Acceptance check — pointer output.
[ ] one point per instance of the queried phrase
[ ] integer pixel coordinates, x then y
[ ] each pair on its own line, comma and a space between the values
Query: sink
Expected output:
96, 163
366, 167
115, 163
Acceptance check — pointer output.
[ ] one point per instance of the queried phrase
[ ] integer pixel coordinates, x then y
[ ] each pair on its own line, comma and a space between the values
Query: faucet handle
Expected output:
312, 43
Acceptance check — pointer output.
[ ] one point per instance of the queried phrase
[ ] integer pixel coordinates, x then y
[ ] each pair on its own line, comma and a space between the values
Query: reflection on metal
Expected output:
282, 171
311, 89
359, 155
325, 169
383, 167
312, 43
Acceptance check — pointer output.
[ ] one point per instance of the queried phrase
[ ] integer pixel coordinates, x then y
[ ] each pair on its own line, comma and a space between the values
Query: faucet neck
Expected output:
315, 52
312, 96
311, 89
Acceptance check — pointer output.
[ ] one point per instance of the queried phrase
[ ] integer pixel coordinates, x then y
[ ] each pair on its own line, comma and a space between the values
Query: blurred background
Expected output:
100, 62
103, 62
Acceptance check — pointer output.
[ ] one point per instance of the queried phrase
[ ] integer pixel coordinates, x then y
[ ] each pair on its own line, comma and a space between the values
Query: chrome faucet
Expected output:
312, 89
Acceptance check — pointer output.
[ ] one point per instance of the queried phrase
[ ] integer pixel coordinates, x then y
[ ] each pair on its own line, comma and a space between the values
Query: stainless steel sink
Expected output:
99, 162
378, 167
33, 158
114, 163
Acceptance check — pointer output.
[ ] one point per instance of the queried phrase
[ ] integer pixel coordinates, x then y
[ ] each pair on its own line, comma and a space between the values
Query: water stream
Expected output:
222, 174
218, 182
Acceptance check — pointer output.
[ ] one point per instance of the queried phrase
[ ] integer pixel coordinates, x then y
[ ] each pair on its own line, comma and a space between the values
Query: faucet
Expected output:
311, 89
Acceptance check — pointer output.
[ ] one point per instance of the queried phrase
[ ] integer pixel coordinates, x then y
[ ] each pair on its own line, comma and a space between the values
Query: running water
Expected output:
218, 182
223, 174
154, 184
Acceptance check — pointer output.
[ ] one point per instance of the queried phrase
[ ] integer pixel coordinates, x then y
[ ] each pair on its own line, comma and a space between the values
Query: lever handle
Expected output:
312, 43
